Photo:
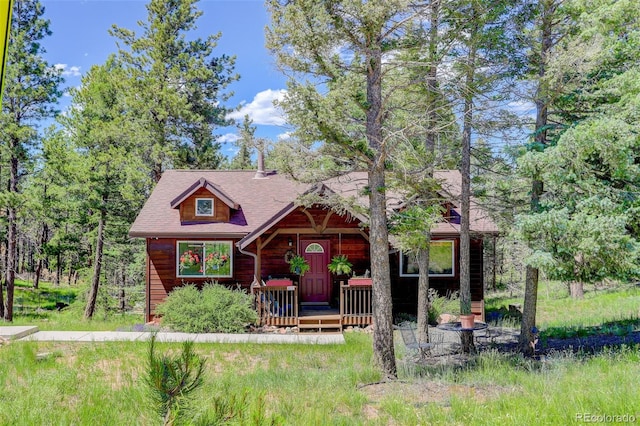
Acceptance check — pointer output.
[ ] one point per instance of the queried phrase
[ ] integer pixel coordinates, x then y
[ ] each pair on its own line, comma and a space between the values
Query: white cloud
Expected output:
522, 107
228, 138
284, 136
261, 109
65, 69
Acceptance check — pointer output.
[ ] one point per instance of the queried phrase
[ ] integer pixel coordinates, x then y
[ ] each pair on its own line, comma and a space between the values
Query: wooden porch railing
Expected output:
356, 304
276, 305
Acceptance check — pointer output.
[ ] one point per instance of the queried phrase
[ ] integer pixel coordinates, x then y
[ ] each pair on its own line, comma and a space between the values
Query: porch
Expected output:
279, 305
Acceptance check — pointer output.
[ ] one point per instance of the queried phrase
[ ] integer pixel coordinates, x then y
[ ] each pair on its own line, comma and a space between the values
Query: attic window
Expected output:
204, 206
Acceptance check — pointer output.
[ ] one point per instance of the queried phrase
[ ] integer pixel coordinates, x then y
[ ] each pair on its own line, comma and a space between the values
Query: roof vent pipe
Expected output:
260, 174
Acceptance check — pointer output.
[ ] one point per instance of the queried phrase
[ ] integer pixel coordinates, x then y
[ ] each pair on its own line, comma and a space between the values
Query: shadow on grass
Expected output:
556, 344
28, 299
621, 327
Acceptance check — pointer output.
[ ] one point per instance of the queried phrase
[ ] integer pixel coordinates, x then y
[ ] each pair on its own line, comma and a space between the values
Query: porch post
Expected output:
341, 285
259, 258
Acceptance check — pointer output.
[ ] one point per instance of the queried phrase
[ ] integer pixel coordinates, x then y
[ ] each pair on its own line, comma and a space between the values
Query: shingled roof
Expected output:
260, 203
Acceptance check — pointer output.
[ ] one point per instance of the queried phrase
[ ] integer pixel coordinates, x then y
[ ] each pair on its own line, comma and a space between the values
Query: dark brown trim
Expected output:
199, 235
148, 283
291, 207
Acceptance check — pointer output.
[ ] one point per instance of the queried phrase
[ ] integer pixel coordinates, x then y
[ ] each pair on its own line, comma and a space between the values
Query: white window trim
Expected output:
453, 261
178, 275
213, 203
313, 250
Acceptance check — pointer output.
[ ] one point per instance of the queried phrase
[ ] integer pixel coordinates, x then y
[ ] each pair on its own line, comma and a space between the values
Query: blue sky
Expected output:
80, 39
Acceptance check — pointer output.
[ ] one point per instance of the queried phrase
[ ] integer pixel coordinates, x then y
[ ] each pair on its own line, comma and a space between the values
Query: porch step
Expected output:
322, 323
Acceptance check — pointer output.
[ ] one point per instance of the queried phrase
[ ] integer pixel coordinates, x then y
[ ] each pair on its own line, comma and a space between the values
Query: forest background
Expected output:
452, 77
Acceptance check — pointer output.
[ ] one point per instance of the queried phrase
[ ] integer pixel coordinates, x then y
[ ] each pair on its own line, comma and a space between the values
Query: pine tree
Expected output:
177, 87
342, 98
31, 89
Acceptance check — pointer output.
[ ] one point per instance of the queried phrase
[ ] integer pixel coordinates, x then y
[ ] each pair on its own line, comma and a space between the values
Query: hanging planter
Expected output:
340, 265
298, 265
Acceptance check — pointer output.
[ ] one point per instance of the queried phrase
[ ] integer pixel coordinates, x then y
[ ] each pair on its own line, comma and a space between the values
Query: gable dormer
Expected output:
204, 202
450, 213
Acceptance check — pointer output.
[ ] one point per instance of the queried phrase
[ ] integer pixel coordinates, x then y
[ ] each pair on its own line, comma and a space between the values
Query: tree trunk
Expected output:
383, 350
121, 296
43, 240
22, 255
576, 289
69, 274
10, 272
531, 281
2, 287
97, 267
58, 266
384, 355
527, 330
423, 297
466, 336
430, 146
495, 263
1, 299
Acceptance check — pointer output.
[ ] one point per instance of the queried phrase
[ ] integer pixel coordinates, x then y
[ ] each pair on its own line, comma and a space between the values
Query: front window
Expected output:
204, 259
441, 261
204, 206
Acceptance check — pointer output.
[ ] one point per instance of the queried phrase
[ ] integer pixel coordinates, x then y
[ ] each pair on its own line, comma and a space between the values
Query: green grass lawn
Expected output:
101, 383
39, 307
557, 309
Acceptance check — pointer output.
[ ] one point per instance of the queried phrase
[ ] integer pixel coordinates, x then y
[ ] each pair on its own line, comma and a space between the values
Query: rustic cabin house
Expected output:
239, 227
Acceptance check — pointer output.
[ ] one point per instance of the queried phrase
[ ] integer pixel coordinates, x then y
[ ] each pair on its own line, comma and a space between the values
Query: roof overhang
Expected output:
198, 235
319, 189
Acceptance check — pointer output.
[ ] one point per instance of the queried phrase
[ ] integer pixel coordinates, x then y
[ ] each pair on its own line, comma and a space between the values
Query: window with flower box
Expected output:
441, 261
204, 259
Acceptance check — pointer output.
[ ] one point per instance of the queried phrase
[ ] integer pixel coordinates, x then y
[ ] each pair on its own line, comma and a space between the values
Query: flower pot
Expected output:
466, 321
360, 281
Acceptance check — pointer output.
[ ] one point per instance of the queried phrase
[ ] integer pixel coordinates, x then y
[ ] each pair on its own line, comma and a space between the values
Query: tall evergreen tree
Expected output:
246, 144
31, 89
178, 87
109, 173
484, 45
429, 146
342, 98
584, 225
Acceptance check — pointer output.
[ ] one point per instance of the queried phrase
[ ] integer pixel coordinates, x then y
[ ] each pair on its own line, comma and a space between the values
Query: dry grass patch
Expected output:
432, 392
218, 362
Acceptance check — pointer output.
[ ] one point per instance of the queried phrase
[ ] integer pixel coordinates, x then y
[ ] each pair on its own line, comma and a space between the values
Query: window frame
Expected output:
314, 250
404, 256
213, 203
203, 245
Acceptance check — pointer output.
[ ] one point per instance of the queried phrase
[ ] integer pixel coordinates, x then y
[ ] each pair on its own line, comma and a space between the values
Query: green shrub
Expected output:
214, 309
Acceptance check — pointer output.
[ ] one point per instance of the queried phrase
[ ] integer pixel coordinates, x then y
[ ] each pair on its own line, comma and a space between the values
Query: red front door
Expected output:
314, 285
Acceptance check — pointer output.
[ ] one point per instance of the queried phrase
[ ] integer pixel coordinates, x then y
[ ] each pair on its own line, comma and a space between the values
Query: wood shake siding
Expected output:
404, 290
161, 276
